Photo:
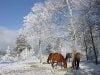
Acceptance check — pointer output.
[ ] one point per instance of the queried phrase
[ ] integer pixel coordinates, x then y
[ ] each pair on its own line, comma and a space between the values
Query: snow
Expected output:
28, 56
89, 67
36, 68
7, 58
40, 26
29, 64
26, 69
7, 68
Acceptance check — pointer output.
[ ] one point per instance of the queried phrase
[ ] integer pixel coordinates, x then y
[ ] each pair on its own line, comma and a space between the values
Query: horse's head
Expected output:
49, 57
68, 55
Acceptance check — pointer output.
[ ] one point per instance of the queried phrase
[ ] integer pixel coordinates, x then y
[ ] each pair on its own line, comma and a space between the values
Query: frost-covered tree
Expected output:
48, 49
92, 17
84, 21
89, 26
50, 20
21, 43
41, 24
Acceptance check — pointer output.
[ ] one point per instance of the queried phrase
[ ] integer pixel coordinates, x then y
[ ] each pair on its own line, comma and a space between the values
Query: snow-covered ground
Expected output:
28, 64
36, 68
20, 68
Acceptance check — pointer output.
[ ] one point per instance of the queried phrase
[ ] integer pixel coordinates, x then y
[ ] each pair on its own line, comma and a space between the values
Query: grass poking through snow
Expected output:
44, 63
33, 64
69, 69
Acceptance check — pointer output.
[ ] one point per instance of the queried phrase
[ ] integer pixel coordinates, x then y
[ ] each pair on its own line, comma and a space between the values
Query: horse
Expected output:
68, 56
57, 59
76, 60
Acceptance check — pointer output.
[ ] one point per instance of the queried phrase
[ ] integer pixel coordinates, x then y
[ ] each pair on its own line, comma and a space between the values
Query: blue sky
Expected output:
11, 20
13, 11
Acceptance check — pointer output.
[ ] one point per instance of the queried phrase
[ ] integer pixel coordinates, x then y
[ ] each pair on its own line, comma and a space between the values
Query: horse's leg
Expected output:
77, 66
52, 64
56, 63
69, 59
62, 65
73, 62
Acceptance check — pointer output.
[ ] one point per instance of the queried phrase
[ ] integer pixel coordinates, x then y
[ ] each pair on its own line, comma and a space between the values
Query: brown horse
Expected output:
76, 60
58, 59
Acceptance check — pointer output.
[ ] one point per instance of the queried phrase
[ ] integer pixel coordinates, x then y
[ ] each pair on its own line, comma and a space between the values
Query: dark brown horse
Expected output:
76, 60
58, 59
68, 56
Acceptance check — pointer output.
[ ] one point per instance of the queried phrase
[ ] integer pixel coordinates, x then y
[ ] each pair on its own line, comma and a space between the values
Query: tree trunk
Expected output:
92, 40
86, 48
40, 51
73, 38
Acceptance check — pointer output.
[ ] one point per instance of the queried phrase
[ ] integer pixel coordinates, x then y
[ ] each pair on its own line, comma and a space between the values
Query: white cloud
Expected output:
7, 37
